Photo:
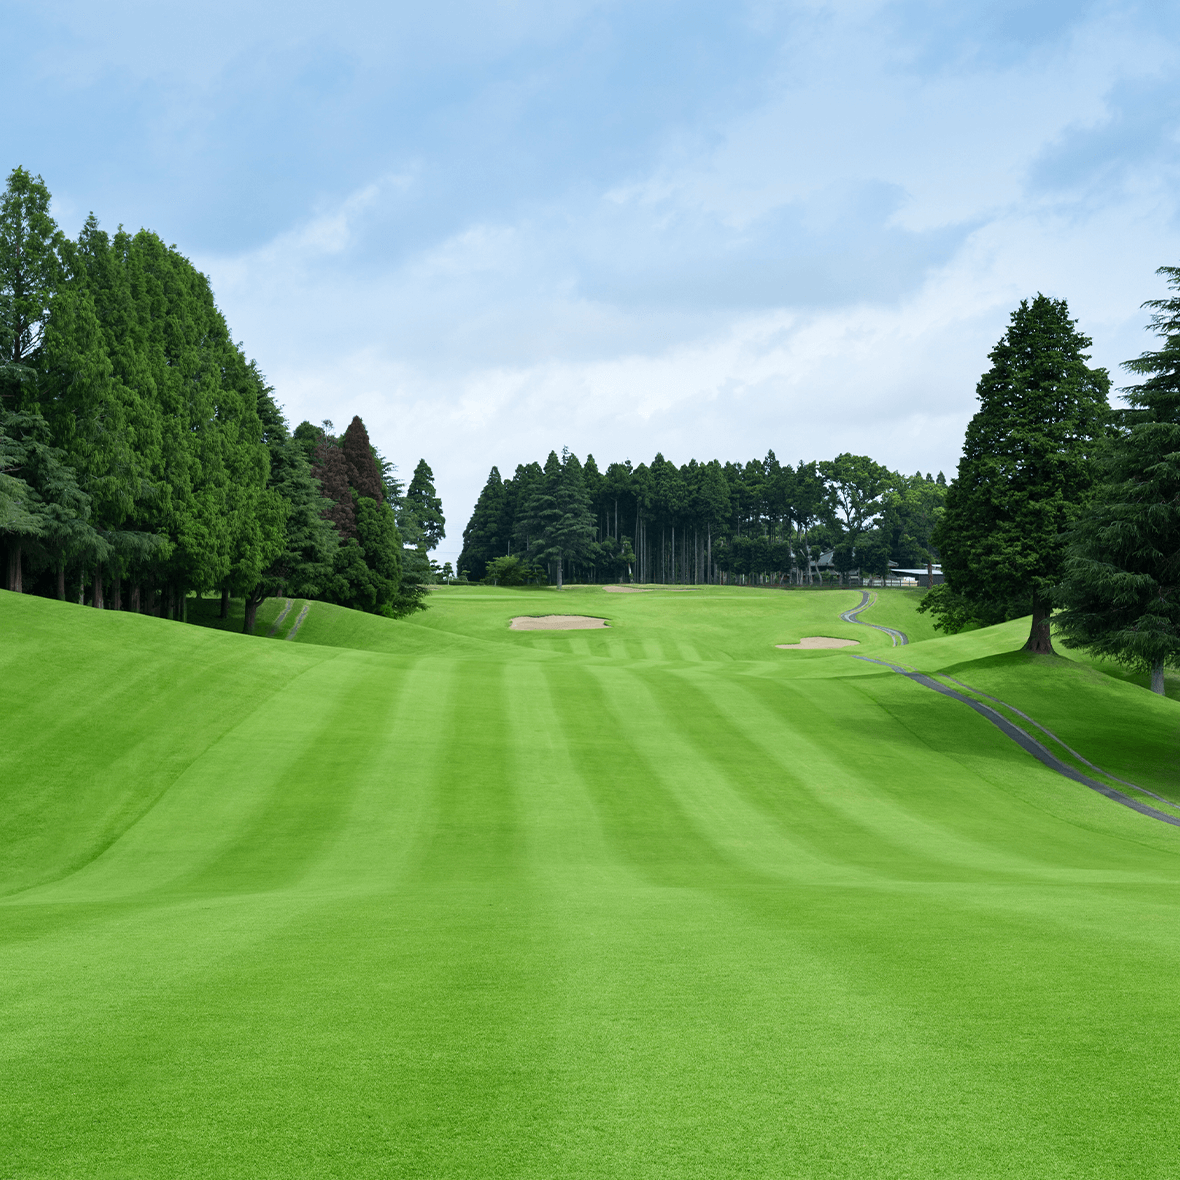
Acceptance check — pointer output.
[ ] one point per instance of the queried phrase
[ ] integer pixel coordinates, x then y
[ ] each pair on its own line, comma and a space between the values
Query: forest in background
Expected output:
143, 457
753, 523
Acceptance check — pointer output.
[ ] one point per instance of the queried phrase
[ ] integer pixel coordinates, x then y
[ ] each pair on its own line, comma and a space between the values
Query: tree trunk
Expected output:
1039, 641
225, 604
98, 601
559, 573
136, 597
15, 583
117, 594
252, 605
61, 580
1157, 677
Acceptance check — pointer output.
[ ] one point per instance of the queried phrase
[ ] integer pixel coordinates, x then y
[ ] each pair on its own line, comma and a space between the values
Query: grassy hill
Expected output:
437, 898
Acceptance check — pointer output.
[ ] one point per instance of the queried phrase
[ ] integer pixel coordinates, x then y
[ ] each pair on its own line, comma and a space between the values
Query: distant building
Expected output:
922, 576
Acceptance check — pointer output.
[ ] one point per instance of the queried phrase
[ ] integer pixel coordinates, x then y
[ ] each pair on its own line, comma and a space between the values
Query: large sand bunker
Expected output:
813, 642
555, 623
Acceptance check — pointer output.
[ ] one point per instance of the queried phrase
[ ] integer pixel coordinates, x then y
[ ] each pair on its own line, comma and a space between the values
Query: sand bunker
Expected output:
812, 642
555, 623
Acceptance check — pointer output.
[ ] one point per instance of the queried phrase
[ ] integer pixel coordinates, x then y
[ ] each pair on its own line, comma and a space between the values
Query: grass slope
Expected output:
434, 898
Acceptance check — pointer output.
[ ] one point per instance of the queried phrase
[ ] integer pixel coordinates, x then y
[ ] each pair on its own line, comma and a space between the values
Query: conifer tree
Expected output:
424, 503
486, 536
1121, 591
331, 469
30, 265
1027, 470
364, 476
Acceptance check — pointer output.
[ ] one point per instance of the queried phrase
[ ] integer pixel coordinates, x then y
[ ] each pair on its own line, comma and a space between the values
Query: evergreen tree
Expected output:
1027, 469
572, 537
423, 502
43, 512
30, 267
331, 470
1122, 584
540, 514
364, 476
486, 536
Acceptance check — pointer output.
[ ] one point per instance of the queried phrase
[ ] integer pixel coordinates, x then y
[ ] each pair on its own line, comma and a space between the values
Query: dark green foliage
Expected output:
489, 531
912, 509
1121, 590
855, 485
1026, 472
44, 515
140, 448
30, 265
556, 518
423, 502
702, 522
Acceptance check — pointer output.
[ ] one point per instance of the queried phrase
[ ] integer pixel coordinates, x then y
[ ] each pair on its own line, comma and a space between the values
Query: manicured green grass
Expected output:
433, 898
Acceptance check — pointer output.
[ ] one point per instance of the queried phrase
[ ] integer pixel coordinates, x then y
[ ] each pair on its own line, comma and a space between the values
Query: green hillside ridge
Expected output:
432, 897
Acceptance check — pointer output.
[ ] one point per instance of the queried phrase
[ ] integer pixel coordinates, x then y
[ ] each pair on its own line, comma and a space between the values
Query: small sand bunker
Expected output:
812, 642
556, 623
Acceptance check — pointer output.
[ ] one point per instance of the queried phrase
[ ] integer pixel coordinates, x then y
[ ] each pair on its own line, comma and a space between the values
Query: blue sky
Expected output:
710, 229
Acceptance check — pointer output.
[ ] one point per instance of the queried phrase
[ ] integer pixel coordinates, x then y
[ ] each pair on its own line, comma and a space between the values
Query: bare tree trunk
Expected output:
61, 580
1157, 677
15, 577
136, 597
117, 594
1039, 640
251, 604
559, 573
225, 603
15, 582
97, 600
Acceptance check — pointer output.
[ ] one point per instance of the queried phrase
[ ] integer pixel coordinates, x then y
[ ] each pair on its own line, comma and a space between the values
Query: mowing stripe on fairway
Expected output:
429, 899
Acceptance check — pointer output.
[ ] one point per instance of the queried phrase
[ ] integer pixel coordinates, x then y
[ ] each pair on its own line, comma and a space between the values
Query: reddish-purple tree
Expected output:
331, 469
363, 473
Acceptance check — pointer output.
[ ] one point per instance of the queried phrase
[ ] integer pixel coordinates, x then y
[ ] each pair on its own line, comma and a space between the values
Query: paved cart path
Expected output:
1032, 746
900, 639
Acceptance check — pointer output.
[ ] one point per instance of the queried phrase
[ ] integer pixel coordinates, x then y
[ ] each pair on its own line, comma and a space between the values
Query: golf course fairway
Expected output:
436, 898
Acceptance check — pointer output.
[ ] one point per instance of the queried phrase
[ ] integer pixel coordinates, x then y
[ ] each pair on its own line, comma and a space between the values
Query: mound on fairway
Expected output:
430, 899
556, 623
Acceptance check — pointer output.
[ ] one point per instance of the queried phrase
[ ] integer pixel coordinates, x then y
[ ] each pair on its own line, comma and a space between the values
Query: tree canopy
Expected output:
141, 449
1026, 472
1121, 590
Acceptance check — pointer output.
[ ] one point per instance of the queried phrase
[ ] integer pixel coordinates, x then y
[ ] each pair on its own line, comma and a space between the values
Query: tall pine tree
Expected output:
1122, 586
1026, 472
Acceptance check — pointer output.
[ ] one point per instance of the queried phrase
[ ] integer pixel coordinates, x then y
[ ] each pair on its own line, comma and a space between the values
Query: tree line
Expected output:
1065, 508
702, 522
143, 457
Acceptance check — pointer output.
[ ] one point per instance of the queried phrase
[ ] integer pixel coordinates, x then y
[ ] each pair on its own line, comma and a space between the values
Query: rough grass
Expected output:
433, 898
